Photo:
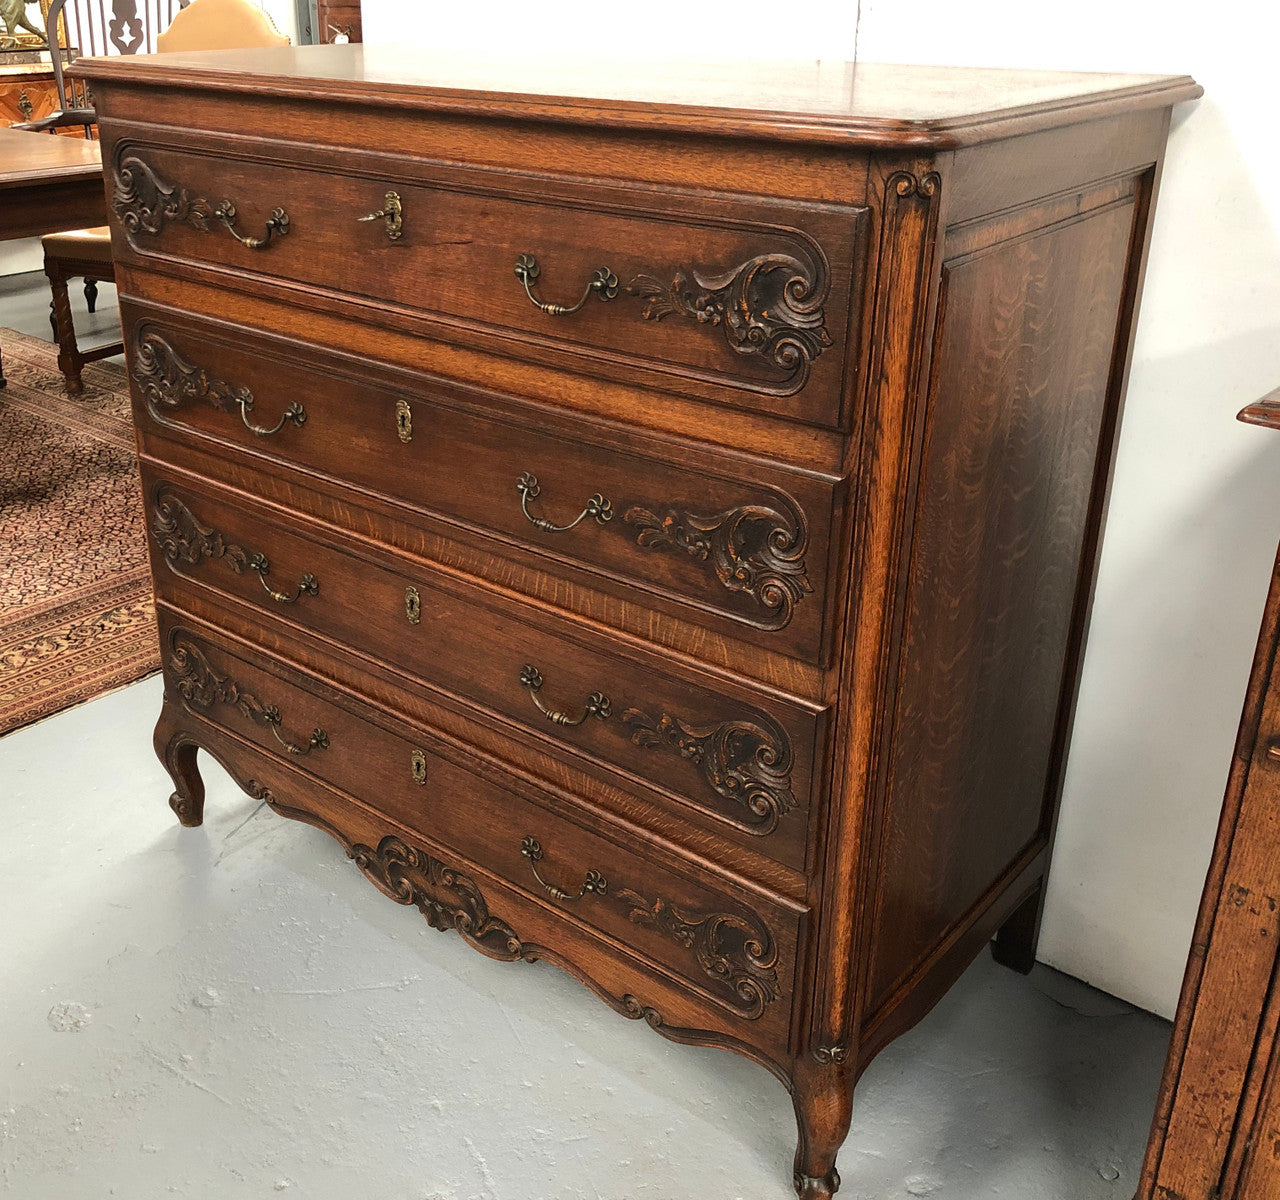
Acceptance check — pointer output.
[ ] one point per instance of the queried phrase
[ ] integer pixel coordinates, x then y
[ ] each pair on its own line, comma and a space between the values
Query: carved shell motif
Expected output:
747, 762
728, 948
446, 897
754, 549
770, 306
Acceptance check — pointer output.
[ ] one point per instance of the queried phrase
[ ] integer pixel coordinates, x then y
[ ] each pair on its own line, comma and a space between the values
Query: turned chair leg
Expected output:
69, 361
91, 294
823, 1099
53, 319
3, 381
1015, 944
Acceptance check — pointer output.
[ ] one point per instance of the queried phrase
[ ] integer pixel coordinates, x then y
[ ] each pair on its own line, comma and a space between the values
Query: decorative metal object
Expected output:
25, 107
731, 949
146, 203
277, 226
597, 705
392, 213
412, 605
168, 381
604, 283
418, 767
754, 549
446, 897
202, 687
769, 306
13, 15
183, 538
404, 421
598, 508
747, 762
594, 882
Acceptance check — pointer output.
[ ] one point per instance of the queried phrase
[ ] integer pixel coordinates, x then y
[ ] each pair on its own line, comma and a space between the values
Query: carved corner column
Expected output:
908, 196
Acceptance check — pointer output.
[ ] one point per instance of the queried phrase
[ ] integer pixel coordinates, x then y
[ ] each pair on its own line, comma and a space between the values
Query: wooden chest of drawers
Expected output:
653, 531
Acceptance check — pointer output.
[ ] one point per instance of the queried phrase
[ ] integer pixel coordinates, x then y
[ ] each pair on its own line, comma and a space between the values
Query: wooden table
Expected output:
47, 184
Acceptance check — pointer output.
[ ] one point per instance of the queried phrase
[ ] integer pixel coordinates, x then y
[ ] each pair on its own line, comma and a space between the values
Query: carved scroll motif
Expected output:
182, 538
769, 306
169, 381
747, 762
446, 897
729, 948
754, 550
146, 203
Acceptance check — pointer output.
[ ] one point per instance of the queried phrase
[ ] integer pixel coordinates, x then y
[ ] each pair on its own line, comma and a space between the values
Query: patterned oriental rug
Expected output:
76, 614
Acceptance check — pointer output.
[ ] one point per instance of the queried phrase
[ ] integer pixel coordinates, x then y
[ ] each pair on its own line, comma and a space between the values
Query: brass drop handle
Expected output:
277, 225
307, 585
598, 704
319, 740
594, 882
293, 412
604, 283
598, 508
392, 212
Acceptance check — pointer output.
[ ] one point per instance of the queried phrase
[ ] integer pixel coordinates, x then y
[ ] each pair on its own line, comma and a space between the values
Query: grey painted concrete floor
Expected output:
234, 1011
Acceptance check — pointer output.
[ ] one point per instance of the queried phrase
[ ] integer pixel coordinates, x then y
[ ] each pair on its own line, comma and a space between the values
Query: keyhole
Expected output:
404, 421
418, 764
412, 605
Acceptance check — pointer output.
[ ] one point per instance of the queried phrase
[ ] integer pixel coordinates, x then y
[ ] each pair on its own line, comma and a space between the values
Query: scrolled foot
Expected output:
809, 1188
190, 812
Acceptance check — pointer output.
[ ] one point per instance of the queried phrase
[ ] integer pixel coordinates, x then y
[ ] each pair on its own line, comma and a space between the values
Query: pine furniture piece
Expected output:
1216, 1134
47, 183
648, 516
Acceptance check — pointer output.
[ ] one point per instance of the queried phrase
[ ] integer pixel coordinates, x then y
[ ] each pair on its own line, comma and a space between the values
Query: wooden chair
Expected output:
87, 26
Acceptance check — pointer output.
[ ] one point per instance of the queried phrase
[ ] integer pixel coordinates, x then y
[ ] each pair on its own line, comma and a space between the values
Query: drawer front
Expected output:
731, 944
743, 302
733, 539
745, 759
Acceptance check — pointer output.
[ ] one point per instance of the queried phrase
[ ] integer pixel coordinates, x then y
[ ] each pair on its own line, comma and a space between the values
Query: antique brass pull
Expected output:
418, 767
594, 882
294, 412
598, 704
404, 421
25, 107
604, 283
392, 213
307, 585
319, 740
277, 225
598, 508
412, 605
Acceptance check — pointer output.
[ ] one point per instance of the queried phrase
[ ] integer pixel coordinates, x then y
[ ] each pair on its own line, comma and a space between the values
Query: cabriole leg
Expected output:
177, 751
823, 1099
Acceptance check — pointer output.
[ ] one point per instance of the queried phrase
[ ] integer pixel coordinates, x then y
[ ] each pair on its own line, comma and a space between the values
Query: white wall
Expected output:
1195, 511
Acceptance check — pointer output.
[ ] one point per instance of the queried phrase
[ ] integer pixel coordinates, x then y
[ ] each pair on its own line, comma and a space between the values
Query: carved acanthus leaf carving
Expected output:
146, 203
168, 380
729, 948
183, 539
753, 549
446, 897
769, 306
747, 762
201, 686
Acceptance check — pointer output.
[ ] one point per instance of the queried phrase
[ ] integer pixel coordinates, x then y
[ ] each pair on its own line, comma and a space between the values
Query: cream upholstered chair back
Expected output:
220, 25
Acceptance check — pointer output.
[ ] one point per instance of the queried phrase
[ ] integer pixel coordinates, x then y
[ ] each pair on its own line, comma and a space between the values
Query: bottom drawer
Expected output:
734, 946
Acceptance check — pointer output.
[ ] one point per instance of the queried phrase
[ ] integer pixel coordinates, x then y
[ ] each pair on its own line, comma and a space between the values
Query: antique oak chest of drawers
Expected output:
648, 518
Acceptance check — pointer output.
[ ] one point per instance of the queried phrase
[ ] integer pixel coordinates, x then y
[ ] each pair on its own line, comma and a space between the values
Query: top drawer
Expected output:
736, 300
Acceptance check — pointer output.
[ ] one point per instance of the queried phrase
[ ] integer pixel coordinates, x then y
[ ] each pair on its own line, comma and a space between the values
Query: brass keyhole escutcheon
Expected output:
412, 605
418, 765
404, 421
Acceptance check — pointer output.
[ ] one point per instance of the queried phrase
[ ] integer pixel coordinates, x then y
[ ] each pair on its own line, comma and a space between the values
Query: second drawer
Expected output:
745, 757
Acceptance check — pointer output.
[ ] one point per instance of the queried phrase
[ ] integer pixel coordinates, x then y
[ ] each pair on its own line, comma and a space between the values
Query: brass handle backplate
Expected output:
594, 882
25, 107
604, 283
392, 212
598, 704
277, 225
307, 585
598, 508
